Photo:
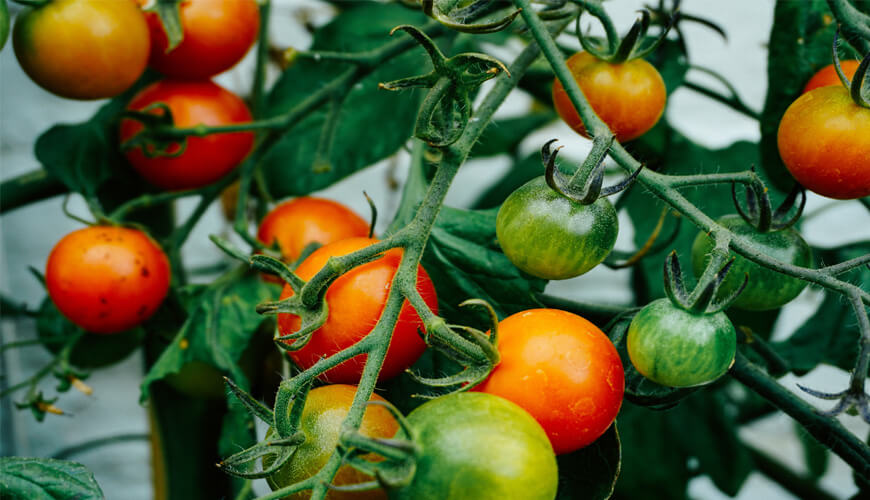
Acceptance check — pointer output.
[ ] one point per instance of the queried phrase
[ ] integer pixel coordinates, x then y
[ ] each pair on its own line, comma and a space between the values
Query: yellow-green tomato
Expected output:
552, 237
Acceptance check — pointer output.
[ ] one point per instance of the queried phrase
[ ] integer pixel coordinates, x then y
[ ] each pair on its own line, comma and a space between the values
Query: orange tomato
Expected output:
355, 302
828, 75
561, 369
107, 279
629, 97
206, 159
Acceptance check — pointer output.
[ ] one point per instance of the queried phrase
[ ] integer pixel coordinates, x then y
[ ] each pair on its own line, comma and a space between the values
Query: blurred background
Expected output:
122, 466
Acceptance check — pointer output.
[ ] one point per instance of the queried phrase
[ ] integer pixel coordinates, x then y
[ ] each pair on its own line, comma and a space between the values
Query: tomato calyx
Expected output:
586, 185
633, 45
169, 12
490, 15
859, 86
760, 214
446, 109
473, 349
701, 300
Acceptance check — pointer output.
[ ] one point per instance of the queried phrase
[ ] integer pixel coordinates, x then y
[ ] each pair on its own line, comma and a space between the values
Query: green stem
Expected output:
98, 443
28, 188
258, 97
857, 21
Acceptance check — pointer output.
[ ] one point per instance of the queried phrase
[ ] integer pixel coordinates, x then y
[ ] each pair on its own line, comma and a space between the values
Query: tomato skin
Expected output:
677, 348
325, 410
82, 49
479, 447
766, 288
299, 222
824, 141
629, 97
827, 76
549, 236
355, 302
563, 370
107, 279
206, 159
217, 35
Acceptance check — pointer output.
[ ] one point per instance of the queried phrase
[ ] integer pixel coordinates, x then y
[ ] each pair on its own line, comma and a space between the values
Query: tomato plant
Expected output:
827, 76
325, 409
479, 446
82, 49
297, 223
552, 237
358, 297
217, 34
107, 279
551, 361
629, 97
824, 141
202, 160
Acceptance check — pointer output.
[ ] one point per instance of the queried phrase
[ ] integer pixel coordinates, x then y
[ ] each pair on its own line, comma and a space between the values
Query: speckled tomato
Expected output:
324, 412
563, 370
299, 222
217, 35
766, 288
629, 97
479, 447
824, 141
549, 236
206, 159
107, 279
82, 49
678, 348
355, 301
827, 76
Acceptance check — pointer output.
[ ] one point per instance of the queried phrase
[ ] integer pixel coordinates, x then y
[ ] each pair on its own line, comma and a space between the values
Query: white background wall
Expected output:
123, 470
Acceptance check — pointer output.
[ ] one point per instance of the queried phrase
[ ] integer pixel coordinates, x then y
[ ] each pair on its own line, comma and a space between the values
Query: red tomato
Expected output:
206, 159
217, 35
629, 97
82, 49
824, 141
107, 279
355, 302
299, 222
828, 75
561, 369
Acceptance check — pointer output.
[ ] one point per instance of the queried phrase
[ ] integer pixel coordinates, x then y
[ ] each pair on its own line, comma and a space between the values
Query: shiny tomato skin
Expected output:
107, 279
563, 370
217, 35
552, 237
678, 348
325, 410
82, 49
355, 302
629, 97
824, 141
301, 221
477, 446
206, 159
827, 76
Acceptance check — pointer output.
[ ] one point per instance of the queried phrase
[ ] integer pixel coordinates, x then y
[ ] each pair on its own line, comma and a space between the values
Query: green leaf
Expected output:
46, 479
464, 261
372, 123
520, 173
672, 64
4, 23
221, 321
591, 472
504, 136
831, 334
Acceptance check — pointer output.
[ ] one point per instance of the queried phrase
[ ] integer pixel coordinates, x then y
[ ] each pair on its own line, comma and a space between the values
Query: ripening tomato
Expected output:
299, 222
828, 75
206, 159
629, 97
355, 301
824, 141
561, 369
82, 49
217, 35
325, 410
107, 279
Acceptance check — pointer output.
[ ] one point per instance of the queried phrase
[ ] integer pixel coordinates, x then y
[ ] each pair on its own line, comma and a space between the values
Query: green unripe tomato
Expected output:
766, 289
678, 348
552, 237
477, 446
